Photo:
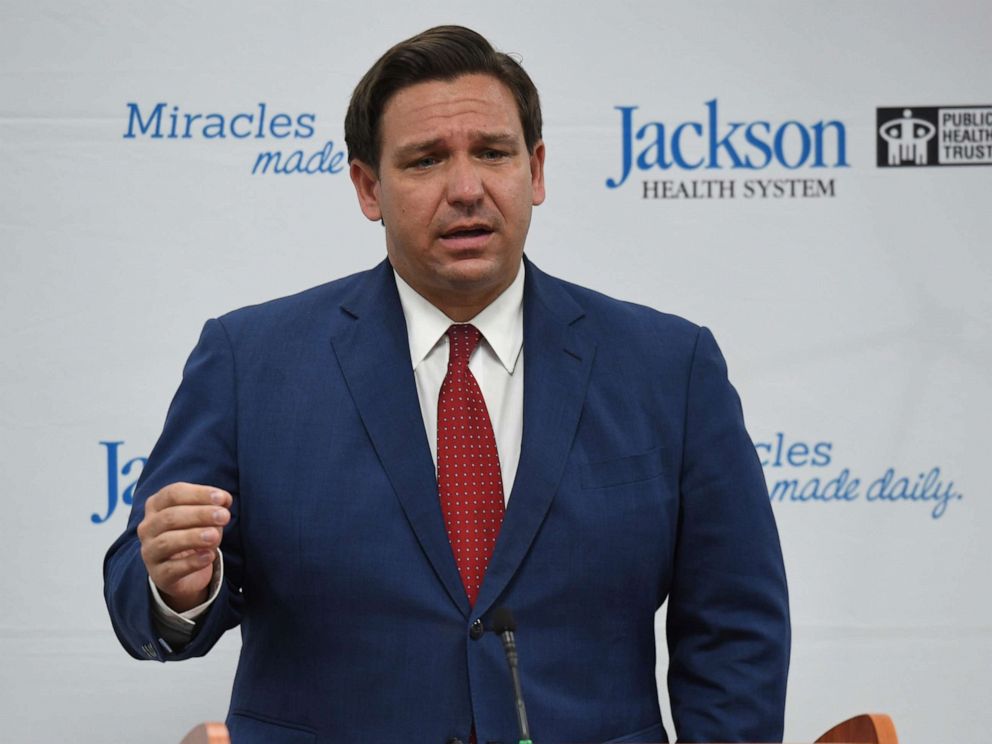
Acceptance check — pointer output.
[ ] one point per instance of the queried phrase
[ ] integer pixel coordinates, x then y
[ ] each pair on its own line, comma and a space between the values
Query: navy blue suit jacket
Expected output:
637, 482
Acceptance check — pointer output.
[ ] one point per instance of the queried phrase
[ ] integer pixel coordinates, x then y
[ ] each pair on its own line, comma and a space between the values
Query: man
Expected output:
351, 451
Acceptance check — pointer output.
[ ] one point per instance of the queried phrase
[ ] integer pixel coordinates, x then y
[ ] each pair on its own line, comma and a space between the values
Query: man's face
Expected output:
455, 189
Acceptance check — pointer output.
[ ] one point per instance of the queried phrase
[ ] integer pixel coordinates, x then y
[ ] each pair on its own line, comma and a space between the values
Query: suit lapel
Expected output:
372, 347
557, 362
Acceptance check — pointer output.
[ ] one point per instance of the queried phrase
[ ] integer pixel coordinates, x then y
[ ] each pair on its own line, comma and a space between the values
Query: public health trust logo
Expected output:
914, 136
161, 121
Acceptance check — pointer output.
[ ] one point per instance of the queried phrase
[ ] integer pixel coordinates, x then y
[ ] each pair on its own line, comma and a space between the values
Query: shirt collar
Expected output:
500, 322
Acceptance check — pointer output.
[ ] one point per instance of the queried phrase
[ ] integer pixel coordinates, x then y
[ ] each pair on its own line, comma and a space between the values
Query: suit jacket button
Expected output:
477, 630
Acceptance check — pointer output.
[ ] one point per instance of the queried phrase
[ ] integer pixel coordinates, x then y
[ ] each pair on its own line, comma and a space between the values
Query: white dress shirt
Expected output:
497, 364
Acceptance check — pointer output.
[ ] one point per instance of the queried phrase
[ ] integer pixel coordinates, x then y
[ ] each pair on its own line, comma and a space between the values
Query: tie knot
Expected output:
462, 338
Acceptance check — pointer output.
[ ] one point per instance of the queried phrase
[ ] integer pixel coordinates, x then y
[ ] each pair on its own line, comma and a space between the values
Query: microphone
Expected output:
504, 624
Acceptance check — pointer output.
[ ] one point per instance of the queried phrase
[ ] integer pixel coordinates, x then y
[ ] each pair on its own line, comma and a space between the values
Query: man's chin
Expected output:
470, 283
477, 274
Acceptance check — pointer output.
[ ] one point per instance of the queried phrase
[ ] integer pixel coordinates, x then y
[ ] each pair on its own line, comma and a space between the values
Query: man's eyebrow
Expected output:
484, 138
415, 148
496, 138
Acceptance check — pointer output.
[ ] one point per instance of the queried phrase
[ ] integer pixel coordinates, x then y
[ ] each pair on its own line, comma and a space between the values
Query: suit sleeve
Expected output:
728, 613
198, 444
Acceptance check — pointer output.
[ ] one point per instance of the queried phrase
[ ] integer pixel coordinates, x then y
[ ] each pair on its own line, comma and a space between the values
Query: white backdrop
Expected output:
856, 323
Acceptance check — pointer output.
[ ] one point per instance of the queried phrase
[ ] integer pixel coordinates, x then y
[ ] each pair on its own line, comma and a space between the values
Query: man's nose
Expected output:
465, 184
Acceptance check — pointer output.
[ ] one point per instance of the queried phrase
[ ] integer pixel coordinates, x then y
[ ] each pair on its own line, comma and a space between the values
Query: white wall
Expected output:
858, 322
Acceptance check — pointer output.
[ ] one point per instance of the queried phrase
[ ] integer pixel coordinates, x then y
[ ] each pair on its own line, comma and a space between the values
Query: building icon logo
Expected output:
915, 136
907, 139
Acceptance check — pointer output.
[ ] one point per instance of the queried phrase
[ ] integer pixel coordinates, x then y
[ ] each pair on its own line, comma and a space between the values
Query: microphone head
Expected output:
502, 620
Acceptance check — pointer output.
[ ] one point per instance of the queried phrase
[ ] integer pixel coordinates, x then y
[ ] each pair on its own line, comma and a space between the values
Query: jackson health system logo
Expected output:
161, 121
712, 144
799, 471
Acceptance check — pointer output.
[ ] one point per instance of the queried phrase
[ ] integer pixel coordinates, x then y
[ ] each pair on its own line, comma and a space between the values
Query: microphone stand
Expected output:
504, 624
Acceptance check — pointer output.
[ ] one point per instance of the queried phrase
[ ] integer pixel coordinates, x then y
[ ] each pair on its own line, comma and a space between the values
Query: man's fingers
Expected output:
187, 494
175, 569
181, 530
159, 549
180, 518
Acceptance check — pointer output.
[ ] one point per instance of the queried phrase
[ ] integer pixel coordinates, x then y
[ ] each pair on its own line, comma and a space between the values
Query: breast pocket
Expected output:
622, 470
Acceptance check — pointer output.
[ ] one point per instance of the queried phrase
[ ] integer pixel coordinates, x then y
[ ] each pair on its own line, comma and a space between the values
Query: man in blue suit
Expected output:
313, 482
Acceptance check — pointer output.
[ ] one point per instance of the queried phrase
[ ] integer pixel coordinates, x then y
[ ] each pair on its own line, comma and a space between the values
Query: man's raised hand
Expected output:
179, 535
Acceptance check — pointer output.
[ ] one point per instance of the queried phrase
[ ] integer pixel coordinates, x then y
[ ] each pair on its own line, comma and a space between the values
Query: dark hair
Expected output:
439, 53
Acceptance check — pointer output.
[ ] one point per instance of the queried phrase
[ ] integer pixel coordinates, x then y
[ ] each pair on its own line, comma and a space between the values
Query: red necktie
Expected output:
468, 474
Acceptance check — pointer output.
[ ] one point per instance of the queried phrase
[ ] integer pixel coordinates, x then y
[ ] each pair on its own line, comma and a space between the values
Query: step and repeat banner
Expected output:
813, 181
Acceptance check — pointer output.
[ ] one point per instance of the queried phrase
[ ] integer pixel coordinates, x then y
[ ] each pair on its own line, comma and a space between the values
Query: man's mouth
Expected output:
467, 232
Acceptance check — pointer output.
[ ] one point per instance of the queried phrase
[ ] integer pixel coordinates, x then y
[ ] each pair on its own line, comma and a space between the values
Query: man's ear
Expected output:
367, 188
537, 173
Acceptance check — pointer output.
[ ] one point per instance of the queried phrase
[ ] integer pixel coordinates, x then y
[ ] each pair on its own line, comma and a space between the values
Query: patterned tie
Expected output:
468, 474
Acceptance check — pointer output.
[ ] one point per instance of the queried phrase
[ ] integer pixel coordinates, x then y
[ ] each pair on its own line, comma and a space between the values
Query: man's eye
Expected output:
493, 155
425, 162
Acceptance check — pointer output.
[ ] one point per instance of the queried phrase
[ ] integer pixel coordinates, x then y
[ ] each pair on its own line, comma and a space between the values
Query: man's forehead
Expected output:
478, 106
